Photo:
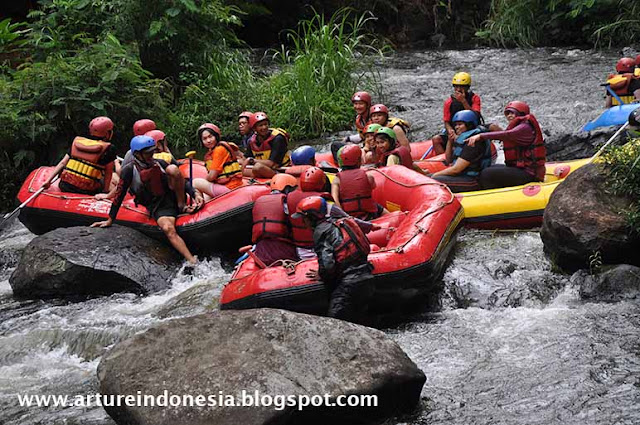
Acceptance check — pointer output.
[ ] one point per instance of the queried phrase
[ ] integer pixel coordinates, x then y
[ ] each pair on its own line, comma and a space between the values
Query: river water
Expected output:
512, 344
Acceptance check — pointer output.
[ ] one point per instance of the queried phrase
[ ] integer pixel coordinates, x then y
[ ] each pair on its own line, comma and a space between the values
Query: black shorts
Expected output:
68, 187
165, 206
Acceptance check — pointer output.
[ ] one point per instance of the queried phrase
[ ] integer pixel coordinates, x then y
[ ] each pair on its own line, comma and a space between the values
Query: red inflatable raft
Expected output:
223, 223
419, 151
408, 260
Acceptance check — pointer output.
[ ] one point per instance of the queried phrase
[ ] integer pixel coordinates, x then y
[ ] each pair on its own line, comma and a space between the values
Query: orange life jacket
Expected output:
530, 157
82, 169
355, 193
361, 124
269, 218
620, 83
230, 169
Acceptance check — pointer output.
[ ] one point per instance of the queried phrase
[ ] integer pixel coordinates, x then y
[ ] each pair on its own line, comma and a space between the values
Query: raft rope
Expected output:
291, 265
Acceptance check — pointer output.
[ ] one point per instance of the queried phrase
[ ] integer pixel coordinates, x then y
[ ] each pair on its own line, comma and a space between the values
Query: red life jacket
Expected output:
301, 234
620, 83
263, 150
150, 184
354, 246
269, 218
82, 169
355, 193
361, 124
402, 152
530, 157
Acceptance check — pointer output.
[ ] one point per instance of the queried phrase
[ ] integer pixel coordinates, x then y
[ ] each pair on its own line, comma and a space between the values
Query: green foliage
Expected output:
535, 22
327, 61
622, 164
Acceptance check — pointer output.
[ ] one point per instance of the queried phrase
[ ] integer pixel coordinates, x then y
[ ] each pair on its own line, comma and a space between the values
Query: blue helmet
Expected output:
140, 143
466, 116
303, 155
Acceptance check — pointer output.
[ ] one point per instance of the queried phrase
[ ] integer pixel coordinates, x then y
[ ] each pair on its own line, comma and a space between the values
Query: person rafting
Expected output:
467, 161
159, 187
268, 148
380, 115
369, 148
162, 147
142, 126
462, 99
88, 166
361, 102
244, 129
271, 231
636, 71
352, 187
303, 158
524, 149
625, 84
341, 248
224, 173
389, 151
633, 131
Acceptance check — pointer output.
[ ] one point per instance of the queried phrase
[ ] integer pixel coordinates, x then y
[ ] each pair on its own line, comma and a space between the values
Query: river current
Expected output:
513, 342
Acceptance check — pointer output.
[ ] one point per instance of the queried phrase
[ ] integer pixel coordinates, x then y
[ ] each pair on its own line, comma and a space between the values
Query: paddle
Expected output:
612, 93
190, 155
615, 135
8, 216
248, 250
427, 153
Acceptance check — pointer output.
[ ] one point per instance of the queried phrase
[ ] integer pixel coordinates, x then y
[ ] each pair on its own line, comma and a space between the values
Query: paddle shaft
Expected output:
427, 153
612, 93
7, 216
615, 135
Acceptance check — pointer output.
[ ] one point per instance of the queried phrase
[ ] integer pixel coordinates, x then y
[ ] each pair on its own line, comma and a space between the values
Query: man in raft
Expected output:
268, 148
467, 161
342, 249
361, 102
88, 167
524, 150
158, 186
625, 83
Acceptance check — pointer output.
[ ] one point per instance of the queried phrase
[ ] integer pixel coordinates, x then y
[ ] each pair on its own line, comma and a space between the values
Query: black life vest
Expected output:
474, 169
456, 106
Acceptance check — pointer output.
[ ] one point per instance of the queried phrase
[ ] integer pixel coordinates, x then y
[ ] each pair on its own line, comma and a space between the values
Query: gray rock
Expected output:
198, 299
581, 144
583, 226
82, 261
618, 283
274, 352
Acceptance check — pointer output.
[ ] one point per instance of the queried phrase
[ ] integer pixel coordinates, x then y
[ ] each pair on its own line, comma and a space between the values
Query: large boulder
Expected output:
84, 261
583, 225
275, 353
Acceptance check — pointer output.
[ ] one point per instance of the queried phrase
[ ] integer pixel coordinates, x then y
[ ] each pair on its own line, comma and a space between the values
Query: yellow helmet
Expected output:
461, 79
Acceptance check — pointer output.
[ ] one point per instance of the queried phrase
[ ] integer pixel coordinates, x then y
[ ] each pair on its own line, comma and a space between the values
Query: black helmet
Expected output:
634, 118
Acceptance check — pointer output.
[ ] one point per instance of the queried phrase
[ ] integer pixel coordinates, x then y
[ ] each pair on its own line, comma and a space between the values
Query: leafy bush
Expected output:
534, 22
622, 164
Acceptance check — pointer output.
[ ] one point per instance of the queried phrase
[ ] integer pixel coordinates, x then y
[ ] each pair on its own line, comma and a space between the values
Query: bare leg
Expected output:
176, 183
262, 171
168, 226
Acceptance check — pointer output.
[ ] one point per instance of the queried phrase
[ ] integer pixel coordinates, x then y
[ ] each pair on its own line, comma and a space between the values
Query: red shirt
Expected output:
475, 106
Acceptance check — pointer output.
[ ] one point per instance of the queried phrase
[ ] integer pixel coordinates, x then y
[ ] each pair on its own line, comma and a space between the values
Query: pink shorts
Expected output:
219, 189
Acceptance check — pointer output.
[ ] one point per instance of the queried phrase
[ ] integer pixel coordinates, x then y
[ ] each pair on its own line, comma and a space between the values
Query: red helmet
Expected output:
350, 155
281, 181
312, 206
245, 114
211, 127
361, 96
156, 135
142, 126
520, 107
625, 65
313, 180
256, 118
379, 108
101, 127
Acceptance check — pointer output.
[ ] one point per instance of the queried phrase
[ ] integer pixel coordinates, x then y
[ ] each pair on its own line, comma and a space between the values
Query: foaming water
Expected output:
552, 360
54, 347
